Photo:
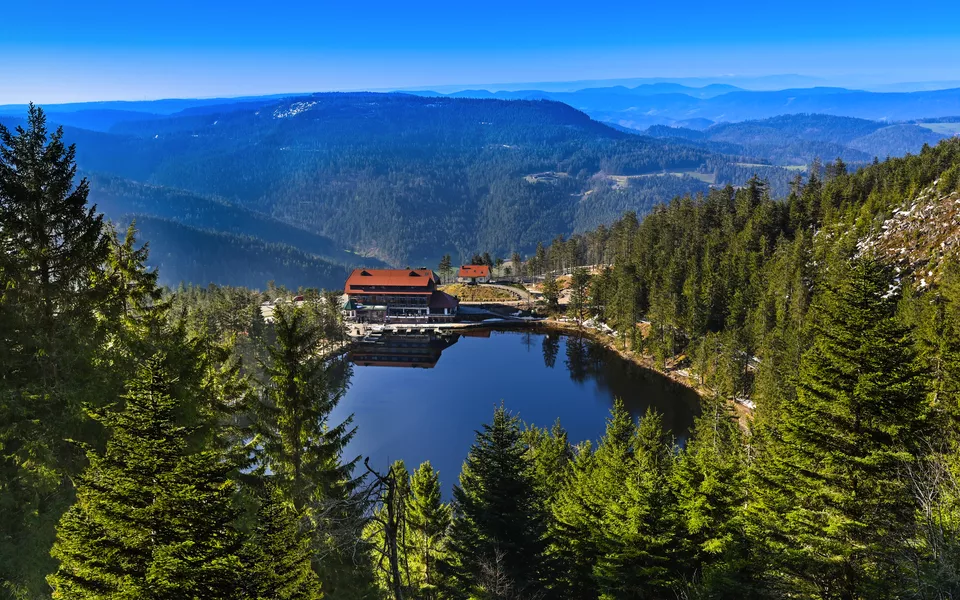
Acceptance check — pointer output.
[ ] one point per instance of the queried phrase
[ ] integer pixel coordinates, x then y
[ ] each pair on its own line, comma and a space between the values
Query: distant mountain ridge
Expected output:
397, 176
799, 139
639, 110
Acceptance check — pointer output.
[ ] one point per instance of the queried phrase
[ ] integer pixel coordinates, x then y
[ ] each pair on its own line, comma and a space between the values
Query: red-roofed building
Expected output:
474, 274
397, 296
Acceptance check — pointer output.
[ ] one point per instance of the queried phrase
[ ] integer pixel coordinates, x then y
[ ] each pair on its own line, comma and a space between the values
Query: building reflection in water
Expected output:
401, 350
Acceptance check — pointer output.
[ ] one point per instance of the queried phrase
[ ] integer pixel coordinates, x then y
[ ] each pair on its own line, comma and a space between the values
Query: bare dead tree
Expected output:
497, 584
935, 553
389, 515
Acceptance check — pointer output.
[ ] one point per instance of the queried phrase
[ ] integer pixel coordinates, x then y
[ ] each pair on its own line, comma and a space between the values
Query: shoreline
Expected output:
643, 360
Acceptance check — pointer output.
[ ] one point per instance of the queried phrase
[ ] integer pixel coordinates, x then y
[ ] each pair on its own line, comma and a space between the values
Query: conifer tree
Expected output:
541, 258
517, 261
711, 489
53, 247
552, 455
445, 267
624, 310
300, 447
277, 554
154, 516
595, 483
551, 293
428, 518
497, 537
640, 556
831, 493
579, 297
303, 451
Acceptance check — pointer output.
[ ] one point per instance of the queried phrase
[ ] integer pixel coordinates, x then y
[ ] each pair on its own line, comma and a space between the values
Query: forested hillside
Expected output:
730, 276
201, 256
119, 198
403, 177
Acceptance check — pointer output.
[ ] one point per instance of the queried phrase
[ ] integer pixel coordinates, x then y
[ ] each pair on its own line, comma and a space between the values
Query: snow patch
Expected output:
293, 110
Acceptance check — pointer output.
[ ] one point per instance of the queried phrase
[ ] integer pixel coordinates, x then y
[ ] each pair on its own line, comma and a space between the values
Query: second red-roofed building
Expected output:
474, 274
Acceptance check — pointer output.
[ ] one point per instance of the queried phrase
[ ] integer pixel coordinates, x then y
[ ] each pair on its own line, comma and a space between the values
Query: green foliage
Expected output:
277, 554
835, 500
551, 293
640, 550
154, 516
428, 518
53, 287
299, 446
579, 295
710, 479
498, 534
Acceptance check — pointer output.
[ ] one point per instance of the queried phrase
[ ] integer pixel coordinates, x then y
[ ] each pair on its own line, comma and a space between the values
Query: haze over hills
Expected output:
799, 139
638, 108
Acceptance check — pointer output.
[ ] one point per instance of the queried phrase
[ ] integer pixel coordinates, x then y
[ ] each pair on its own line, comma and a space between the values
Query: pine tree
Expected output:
277, 554
831, 494
711, 488
59, 240
640, 542
579, 297
497, 537
303, 452
624, 311
445, 267
552, 456
53, 247
551, 293
595, 483
428, 519
154, 516
517, 261
541, 258
300, 448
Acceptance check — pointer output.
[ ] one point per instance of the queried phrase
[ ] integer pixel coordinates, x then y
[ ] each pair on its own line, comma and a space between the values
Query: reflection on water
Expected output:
431, 412
409, 350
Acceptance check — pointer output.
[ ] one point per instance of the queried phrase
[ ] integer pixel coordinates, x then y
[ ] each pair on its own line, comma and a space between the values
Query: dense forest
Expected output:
175, 445
399, 177
119, 198
187, 254
364, 169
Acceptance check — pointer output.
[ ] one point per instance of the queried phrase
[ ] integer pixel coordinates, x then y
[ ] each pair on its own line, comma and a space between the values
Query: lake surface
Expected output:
430, 411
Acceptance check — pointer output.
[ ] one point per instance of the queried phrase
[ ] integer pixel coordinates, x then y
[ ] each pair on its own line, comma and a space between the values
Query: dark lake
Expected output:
430, 411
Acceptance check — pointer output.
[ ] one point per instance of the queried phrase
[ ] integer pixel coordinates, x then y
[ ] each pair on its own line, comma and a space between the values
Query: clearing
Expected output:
944, 128
477, 293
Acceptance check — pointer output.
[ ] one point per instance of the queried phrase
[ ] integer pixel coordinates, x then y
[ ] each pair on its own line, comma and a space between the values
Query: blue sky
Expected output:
100, 50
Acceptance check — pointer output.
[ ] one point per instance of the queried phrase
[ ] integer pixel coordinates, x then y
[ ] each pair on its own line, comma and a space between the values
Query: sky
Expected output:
137, 50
